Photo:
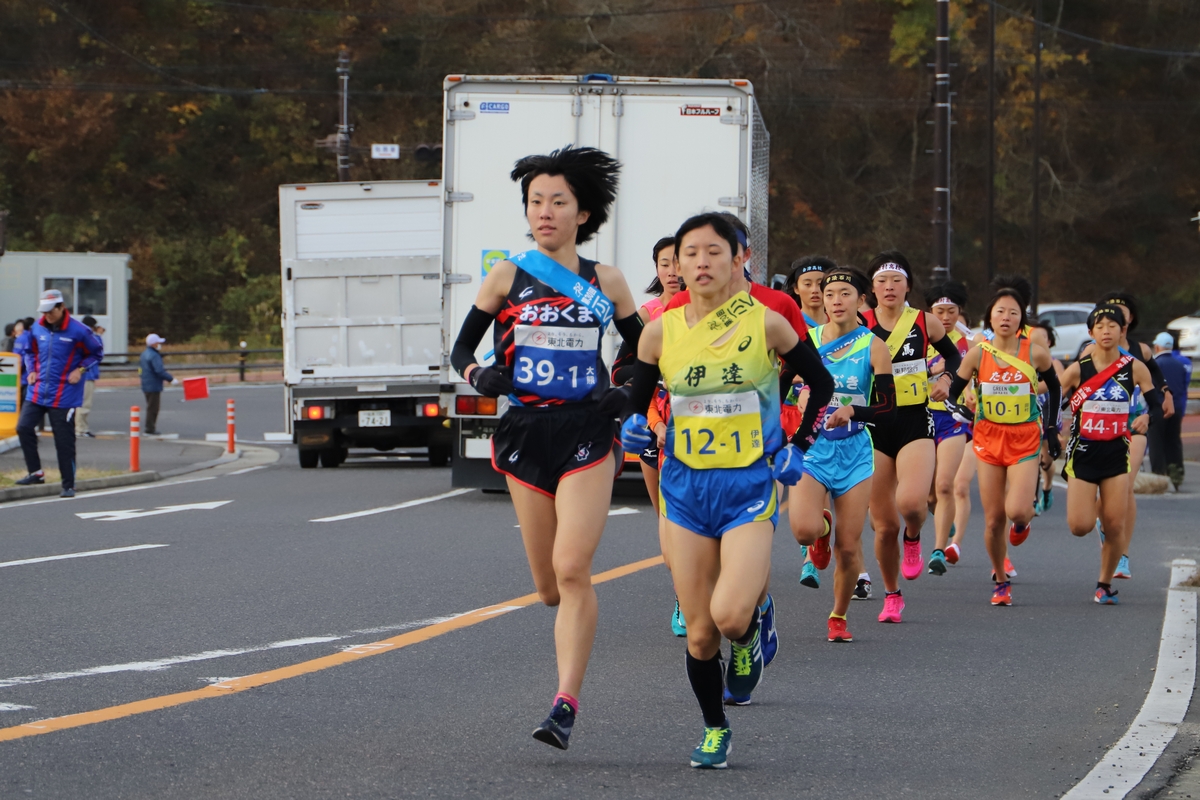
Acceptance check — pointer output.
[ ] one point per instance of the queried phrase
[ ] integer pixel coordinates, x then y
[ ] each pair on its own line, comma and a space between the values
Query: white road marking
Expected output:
105, 493
171, 661
1124, 766
620, 512
397, 507
15, 707
110, 551
247, 469
137, 513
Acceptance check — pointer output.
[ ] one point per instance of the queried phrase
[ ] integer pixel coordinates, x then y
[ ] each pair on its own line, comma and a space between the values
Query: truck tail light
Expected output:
314, 412
470, 404
427, 409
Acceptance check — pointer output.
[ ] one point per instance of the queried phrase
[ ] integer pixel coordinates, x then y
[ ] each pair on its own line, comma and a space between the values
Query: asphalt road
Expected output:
961, 700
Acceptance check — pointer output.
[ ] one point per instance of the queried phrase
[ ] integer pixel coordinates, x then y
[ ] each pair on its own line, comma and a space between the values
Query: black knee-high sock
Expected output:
708, 684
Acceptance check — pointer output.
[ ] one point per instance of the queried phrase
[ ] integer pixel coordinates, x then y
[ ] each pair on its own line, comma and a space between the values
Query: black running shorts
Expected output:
910, 424
649, 456
538, 447
1093, 461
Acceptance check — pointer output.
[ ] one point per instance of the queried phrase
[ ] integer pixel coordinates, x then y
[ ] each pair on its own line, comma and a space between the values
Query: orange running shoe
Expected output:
952, 554
820, 551
1002, 594
838, 632
1008, 568
1017, 537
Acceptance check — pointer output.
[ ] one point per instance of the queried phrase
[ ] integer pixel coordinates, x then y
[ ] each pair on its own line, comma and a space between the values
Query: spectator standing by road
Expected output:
1166, 437
60, 351
10, 337
89, 387
153, 374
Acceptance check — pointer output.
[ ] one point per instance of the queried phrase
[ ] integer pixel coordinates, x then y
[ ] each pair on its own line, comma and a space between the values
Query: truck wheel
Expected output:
308, 459
439, 456
331, 458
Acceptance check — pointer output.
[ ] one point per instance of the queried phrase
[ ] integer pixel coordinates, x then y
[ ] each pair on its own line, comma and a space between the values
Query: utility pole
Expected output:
1035, 268
343, 130
941, 146
989, 235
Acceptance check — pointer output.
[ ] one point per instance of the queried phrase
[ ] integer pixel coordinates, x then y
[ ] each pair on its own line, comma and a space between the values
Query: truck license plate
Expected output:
375, 419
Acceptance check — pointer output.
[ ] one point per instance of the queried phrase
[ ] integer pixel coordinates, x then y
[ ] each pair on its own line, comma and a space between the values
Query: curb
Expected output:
11, 443
113, 481
50, 489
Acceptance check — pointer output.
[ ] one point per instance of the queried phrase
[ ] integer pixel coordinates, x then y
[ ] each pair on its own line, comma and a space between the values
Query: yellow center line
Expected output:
235, 685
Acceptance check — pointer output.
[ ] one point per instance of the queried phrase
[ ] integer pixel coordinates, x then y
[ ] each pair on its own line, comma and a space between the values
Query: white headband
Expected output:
945, 301
892, 266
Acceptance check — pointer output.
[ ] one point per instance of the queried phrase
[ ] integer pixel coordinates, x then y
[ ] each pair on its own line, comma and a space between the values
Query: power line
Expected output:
482, 17
1082, 37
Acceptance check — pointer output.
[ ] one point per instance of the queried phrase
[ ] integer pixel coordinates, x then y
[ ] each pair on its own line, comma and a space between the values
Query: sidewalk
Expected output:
107, 458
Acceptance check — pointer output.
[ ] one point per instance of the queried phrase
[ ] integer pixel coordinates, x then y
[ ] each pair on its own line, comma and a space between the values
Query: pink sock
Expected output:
571, 701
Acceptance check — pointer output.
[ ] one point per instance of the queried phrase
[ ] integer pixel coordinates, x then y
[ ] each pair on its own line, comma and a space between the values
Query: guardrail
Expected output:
240, 366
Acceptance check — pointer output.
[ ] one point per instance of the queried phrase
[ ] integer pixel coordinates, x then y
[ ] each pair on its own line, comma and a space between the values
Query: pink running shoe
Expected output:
913, 564
893, 607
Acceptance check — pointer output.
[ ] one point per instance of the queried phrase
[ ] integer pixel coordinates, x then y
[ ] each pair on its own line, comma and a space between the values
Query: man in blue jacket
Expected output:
153, 374
1166, 435
61, 350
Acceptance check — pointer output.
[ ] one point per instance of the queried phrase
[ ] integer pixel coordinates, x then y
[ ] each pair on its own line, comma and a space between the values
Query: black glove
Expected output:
612, 404
491, 381
1053, 446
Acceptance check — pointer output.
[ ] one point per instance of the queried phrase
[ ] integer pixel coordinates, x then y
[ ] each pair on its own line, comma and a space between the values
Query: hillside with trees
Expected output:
162, 128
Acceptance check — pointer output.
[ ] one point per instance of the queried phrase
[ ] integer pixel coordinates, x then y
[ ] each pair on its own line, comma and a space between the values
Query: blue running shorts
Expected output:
946, 426
712, 501
841, 464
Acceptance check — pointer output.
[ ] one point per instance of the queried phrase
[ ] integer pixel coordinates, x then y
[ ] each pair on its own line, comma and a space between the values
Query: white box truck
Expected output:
363, 293
686, 146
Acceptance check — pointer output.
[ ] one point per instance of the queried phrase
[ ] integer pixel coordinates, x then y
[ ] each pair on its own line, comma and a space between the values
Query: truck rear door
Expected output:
362, 281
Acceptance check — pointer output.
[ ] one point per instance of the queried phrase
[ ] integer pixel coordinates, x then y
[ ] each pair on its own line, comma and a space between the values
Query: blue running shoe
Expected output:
1106, 597
937, 563
730, 700
766, 630
556, 730
1123, 568
809, 576
1038, 507
713, 752
744, 672
1047, 499
678, 624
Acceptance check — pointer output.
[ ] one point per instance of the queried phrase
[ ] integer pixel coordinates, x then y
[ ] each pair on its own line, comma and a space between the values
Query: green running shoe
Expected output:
713, 752
809, 576
937, 563
745, 669
678, 624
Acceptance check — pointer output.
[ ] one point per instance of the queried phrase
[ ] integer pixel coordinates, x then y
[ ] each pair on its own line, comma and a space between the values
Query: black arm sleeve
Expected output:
957, 386
1053, 401
805, 362
949, 353
622, 369
1156, 375
474, 327
884, 407
645, 380
1154, 402
630, 329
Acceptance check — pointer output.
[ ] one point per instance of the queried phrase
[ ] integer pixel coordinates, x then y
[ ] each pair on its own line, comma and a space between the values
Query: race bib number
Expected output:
718, 430
845, 431
912, 386
1104, 420
1005, 402
555, 363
